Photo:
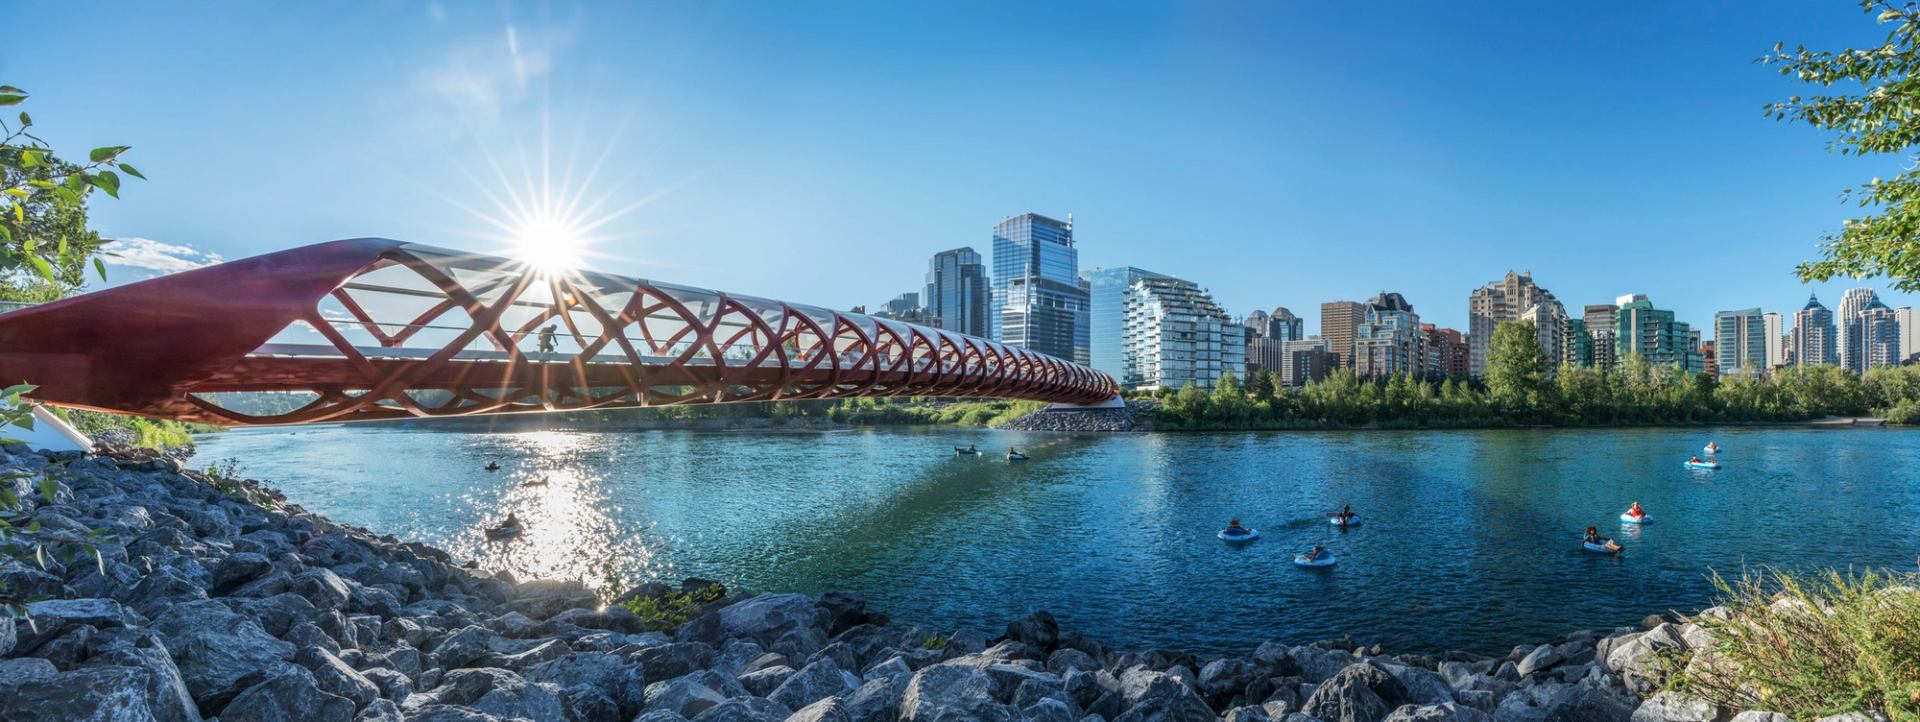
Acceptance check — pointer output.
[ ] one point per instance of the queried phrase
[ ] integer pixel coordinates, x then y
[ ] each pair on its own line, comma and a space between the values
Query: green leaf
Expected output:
25, 120
106, 153
11, 99
32, 158
40, 266
100, 267
106, 180
48, 487
128, 168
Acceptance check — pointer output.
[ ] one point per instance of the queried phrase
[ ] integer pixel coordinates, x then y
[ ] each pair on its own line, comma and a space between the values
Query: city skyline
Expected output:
1247, 134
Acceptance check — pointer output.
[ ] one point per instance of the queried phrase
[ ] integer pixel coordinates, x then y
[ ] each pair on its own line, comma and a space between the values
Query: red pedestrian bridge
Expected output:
372, 328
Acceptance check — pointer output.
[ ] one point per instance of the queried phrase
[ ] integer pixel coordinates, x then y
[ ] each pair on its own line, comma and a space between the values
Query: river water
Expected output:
1470, 538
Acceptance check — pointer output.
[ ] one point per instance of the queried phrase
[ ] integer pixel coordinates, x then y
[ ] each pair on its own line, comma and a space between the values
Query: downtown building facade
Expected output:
1869, 331
1388, 341
1814, 336
1107, 290
1176, 334
1339, 326
1447, 354
1038, 301
1776, 341
1496, 303
1740, 342
1599, 319
1549, 330
1267, 336
1909, 320
1639, 328
958, 295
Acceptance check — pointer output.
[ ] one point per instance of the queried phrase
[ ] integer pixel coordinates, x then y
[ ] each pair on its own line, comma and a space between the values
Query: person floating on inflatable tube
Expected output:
1594, 538
1233, 527
1317, 554
1694, 460
1346, 513
1635, 511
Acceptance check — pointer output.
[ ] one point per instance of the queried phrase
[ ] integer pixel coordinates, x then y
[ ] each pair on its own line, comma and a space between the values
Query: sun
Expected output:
549, 241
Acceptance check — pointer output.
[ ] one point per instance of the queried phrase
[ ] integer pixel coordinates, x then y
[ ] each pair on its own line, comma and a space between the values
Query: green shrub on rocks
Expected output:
1811, 646
669, 611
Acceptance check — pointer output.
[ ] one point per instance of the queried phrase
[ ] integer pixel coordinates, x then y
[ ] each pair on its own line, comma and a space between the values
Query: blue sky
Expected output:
1278, 153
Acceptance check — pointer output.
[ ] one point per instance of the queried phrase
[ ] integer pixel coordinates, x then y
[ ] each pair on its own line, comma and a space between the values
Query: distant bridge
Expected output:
378, 329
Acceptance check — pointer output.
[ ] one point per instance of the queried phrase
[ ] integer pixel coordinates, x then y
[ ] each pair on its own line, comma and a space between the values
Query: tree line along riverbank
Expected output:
214, 596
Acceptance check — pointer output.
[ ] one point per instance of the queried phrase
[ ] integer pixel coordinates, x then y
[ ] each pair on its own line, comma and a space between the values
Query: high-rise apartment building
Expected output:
1389, 342
1490, 305
1909, 321
1447, 354
1776, 343
1639, 328
1852, 302
1709, 359
1740, 342
1038, 301
1107, 316
1308, 360
1599, 319
1813, 335
1578, 350
1177, 335
1549, 330
1339, 326
957, 294
1875, 336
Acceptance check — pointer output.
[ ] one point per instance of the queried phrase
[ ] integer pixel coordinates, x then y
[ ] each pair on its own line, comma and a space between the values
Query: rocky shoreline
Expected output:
218, 599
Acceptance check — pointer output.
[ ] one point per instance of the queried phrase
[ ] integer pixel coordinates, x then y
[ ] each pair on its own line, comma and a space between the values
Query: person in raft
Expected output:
1346, 513
1318, 553
1635, 511
1694, 460
1234, 528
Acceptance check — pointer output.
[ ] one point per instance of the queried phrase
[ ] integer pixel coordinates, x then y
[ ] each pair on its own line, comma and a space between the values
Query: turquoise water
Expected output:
1470, 540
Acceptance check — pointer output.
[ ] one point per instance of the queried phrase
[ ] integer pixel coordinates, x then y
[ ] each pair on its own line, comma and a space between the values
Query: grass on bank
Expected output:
1811, 646
147, 433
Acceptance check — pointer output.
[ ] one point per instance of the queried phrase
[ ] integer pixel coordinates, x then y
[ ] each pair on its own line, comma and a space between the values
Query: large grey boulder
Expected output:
762, 682
745, 709
826, 710
686, 695
763, 619
878, 700
1318, 664
1760, 716
288, 694
1539, 660
1557, 702
496, 692
383, 710
1675, 707
169, 700
821, 679
667, 661
1223, 678
1423, 686
335, 677
1444, 712
216, 649
607, 673
98, 694
951, 692
1362, 692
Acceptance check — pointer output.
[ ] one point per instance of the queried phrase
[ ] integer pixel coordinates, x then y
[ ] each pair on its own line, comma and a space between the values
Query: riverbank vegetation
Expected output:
1810, 646
1521, 389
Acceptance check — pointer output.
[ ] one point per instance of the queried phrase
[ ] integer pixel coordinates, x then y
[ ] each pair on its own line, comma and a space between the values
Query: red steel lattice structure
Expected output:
377, 329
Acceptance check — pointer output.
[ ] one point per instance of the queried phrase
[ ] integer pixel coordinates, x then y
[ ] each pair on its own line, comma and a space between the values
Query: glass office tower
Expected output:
956, 293
1038, 301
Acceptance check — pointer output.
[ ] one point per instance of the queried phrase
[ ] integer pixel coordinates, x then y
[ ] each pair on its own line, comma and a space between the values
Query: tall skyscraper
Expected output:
1740, 342
1177, 335
1639, 328
1490, 305
1813, 335
1339, 325
1283, 325
1038, 302
1875, 336
1852, 302
1549, 330
1909, 320
957, 294
1389, 341
1107, 316
1267, 335
1600, 318
1776, 343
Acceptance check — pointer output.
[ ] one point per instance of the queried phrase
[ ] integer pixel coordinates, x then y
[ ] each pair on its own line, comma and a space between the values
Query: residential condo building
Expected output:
1639, 328
1447, 354
1776, 343
1389, 341
1107, 290
1177, 335
1740, 342
1599, 320
1813, 335
1495, 303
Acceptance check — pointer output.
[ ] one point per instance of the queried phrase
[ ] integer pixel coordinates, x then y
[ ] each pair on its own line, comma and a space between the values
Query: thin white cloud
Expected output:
151, 255
482, 77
